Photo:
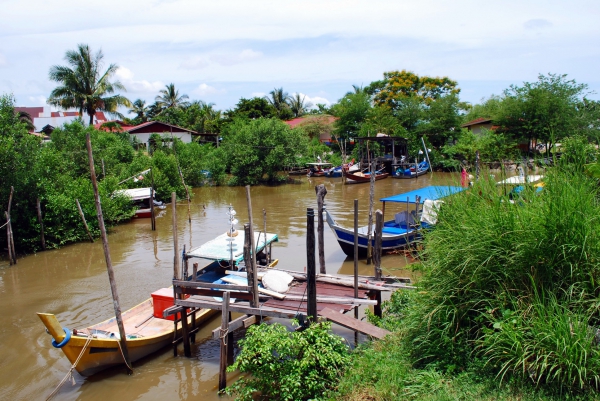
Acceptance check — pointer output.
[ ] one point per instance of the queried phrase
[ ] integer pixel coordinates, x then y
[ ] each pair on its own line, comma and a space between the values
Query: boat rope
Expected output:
69, 374
123, 355
223, 335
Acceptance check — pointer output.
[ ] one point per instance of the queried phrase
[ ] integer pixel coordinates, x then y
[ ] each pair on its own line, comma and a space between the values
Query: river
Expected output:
72, 283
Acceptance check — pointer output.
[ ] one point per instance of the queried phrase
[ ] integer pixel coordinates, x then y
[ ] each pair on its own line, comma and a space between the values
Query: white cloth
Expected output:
430, 209
276, 280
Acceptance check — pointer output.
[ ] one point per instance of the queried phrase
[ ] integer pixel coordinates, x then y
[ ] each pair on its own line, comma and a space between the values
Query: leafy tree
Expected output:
140, 109
280, 101
298, 106
256, 107
352, 110
84, 86
169, 98
260, 147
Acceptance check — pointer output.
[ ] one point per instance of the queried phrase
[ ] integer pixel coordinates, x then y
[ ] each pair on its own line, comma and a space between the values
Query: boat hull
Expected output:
143, 214
412, 175
357, 179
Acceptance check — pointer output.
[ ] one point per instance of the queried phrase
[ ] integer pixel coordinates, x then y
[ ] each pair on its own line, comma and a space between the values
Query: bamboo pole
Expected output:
176, 275
8, 247
87, 229
103, 170
370, 227
224, 342
251, 271
377, 253
152, 215
41, 221
311, 269
267, 253
109, 268
321, 192
252, 245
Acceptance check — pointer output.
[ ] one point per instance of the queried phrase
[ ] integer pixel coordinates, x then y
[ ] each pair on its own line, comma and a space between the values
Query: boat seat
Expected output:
393, 230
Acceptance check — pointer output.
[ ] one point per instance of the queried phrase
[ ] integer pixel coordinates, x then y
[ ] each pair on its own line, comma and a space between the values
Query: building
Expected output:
142, 132
321, 123
478, 125
44, 119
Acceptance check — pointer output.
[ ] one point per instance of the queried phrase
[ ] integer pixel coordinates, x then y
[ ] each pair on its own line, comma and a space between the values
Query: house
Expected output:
43, 117
479, 124
142, 132
323, 124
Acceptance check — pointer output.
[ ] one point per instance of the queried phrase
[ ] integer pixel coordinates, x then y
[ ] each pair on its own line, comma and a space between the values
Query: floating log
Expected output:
87, 229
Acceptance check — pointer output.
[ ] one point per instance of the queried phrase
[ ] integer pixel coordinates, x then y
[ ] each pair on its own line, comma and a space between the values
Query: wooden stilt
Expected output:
356, 264
152, 216
311, 269
185, 334
176, 275
87, 229
8, 246
377, 308
109, 268
251, 271
41, 221
249, 234
195, 272
321, 192
370, 227
267, 254
229, 343
224, 342
9, 220
377, 250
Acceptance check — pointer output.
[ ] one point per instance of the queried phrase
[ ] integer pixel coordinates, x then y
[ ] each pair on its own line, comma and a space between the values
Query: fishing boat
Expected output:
140, 197
97, 347
359, 176
407, 172
319, 169
404, 228
337, 172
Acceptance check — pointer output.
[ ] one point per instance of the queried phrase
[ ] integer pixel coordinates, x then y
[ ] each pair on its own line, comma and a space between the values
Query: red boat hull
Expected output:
355, 178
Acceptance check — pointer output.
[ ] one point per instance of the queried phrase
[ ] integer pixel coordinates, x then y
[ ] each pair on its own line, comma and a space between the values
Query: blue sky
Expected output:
221, 51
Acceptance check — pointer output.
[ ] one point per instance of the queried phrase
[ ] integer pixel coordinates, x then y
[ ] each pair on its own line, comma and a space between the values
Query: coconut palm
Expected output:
279, 99
297, 105
169, 98
140, 109
84, 86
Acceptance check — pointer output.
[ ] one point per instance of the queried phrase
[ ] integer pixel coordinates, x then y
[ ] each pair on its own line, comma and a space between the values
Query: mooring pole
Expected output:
311, 268
8, 218
250, 269
251, 234
224, 341
176, 275
109, 267
355, 264
321, 192
377, 252
87, 229
152, 220
41, 221
267, 253
370, 228
8, 247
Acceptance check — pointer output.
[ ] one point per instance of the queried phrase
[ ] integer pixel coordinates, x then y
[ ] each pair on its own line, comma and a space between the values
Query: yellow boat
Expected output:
145, 335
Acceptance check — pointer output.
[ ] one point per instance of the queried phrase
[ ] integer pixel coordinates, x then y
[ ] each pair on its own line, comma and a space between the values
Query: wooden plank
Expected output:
333, 300
244, 321
201, 284
211, 293
354, 324
248, 310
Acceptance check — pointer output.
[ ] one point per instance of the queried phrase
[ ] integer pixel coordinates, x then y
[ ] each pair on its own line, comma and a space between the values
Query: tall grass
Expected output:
536, 261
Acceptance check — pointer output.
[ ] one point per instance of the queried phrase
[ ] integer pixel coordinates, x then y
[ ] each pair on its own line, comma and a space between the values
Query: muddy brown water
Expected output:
73, 284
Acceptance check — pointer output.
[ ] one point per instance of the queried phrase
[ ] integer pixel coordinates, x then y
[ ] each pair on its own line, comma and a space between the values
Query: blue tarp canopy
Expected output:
432, 192
220, 247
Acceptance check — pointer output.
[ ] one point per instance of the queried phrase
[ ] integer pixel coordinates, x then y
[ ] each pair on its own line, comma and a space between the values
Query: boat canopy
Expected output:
431, 192
135, 193
323, 164
219, 248
519, 179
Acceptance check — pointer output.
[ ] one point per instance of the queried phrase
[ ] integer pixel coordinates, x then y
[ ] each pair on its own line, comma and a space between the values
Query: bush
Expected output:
284, 365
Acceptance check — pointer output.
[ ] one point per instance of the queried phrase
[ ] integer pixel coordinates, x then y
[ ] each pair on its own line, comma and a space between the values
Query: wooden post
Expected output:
370, 227
267, 253
185, 334
377, 252
109, 268
251, 271
10, 256
9, 220
224, 341
251, 234
176, 275
311, 269
229, 343
355, 264
87, 229
152, 217
321, 192
41, 221
185, 264
195, 272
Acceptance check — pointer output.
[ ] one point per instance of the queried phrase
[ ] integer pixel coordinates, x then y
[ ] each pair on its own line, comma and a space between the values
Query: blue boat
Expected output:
411, 172
403, 229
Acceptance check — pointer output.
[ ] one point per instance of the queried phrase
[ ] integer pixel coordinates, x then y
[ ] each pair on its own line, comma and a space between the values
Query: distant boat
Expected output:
147, 331
141, 201
411, 172
400, 231
337, 172
359, 176
319, 169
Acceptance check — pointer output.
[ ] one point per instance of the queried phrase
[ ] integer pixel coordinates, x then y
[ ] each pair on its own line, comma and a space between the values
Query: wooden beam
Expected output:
354, 324
201, 284
243, 321
246, 309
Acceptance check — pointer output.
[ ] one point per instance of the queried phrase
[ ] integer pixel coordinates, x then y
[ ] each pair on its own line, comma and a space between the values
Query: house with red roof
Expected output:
44, 119
142, 132
326, 121
479, 124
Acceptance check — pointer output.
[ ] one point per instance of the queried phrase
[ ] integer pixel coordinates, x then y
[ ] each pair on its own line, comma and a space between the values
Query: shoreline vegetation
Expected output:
507, 306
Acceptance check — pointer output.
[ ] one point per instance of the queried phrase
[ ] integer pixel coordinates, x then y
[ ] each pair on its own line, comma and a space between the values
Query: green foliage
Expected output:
393, 311
351, 110
492, 146
260, 148
289, 365
254, 108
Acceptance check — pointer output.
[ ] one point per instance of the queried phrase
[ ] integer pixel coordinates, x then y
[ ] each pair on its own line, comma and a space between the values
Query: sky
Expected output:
221, 51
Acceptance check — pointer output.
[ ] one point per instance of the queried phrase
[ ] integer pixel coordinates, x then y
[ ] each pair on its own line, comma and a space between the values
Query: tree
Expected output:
279, 100
352, 110
140, 109
169, 98
297, 105
84, 86
256, 107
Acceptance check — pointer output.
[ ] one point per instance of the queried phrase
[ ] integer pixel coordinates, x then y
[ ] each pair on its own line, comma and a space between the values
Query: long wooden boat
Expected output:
336, 172
319, 169
98, 346
360, 177
411, 172
399, 232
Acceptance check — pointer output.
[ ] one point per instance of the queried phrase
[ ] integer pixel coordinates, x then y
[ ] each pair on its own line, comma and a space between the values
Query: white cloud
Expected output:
537, 23
3, 61
38, 100
125, 75
205, 90
194, 63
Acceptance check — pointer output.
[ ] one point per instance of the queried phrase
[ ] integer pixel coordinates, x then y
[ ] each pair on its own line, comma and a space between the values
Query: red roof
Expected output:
480, 120
34, 112
306, 119
146, 127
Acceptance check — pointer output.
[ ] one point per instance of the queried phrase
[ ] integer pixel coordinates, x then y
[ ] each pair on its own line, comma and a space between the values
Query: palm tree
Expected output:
84, 86
169, 98
279, 99
297, 105
140, 109
26, 119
